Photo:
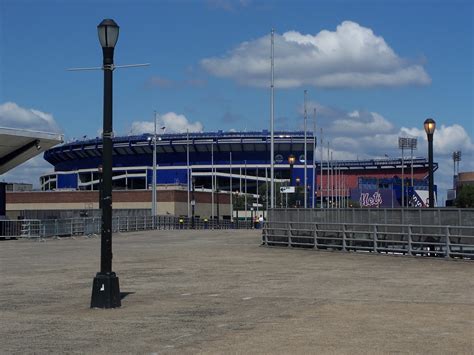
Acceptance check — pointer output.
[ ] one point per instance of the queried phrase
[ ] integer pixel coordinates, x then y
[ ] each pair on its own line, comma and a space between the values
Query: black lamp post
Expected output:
105, 288
430, 126
291, 161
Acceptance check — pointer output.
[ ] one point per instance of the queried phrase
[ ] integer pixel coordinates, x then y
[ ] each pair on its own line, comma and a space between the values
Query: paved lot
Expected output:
220, 292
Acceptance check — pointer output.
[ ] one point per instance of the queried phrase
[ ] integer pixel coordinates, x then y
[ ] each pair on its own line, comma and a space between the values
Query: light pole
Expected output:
193, 201
430, 126
153, 188
105, 287
405, 142
298, 202
272, 126
305, 179
456, 159
291, 161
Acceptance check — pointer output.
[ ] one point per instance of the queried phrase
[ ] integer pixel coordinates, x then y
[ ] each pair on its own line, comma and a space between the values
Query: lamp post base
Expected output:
105, 291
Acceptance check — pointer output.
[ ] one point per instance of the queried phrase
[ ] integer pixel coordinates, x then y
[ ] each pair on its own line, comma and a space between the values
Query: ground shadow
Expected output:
125, 294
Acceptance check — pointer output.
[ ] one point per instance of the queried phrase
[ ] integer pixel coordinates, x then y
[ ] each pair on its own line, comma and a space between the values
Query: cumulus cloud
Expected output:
360, 134
448, 138
14, 116
29, 172
173, 122
350, 56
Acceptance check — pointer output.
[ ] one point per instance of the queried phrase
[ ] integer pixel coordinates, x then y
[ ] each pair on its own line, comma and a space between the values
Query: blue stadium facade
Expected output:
239, 161
76, 164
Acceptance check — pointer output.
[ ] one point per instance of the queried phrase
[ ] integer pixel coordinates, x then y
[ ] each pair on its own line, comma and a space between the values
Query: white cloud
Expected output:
359, 134
14, 116
351, 56
446, 139
173, 122
29, 172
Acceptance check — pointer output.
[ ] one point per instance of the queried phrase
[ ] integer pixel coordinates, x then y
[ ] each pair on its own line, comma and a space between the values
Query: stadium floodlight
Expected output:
406, 143
456, 159
105, 287
430, 126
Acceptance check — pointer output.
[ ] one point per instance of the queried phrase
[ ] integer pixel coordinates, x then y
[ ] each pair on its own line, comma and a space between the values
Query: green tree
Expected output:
465, 197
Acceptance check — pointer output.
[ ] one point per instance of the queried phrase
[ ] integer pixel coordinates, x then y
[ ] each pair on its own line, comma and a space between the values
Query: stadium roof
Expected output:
18, 146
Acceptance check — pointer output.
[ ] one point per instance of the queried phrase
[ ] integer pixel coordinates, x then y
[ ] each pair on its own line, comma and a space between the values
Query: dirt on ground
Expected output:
216, 292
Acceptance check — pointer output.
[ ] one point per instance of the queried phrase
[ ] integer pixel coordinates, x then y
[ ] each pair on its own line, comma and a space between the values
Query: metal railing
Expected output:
413, 240
414, 216
90, 226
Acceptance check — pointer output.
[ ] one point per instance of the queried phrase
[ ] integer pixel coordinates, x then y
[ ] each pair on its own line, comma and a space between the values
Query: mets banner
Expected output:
388, 198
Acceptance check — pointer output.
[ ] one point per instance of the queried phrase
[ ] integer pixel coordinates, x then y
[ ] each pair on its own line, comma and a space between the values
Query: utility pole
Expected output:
305, 183
272, 127
153, 183
315, 179
187, 172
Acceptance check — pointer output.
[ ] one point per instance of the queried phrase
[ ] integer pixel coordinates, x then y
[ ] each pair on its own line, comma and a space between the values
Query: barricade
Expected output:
91, 226
412, 240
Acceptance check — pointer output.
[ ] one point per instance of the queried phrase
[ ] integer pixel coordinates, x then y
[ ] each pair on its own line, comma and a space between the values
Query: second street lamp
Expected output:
105, 288
291, 161
430, 126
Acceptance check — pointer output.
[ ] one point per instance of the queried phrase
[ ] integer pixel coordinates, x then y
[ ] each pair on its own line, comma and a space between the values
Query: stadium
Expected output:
239, 162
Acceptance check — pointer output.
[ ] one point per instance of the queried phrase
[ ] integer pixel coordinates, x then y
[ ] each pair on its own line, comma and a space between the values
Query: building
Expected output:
237, 164
459, 180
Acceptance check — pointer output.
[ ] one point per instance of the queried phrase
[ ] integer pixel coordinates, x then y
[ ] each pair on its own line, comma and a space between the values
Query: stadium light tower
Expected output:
403, 143
430, 126
105, 287
456, 159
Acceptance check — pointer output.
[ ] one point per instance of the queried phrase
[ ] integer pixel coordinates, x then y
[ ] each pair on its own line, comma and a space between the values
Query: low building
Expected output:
171, 200
461, 179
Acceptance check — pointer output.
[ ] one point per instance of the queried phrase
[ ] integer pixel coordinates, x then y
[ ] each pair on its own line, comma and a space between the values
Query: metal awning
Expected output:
18, 146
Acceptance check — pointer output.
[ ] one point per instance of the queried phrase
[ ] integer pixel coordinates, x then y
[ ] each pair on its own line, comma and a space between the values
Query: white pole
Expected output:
403, 179
266, 190
321, 169
327, 182
257, 187
212, 180
245, 188
332, 182
305, 154
230, 189
411, 146
272, 121
153, 188
187, 172
314, 181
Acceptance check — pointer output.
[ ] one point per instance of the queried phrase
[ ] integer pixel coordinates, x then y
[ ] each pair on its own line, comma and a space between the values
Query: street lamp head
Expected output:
430, 126
108, 33
291, 159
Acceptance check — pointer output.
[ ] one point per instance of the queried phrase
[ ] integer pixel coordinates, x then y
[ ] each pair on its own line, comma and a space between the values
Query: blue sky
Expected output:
374, 70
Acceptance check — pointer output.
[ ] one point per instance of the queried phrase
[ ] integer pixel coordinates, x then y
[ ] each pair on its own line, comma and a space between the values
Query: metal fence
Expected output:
415, 216
89, 226
413, 240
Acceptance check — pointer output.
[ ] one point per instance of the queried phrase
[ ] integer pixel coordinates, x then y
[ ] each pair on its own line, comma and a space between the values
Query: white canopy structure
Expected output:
19, 145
